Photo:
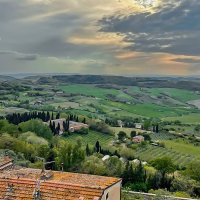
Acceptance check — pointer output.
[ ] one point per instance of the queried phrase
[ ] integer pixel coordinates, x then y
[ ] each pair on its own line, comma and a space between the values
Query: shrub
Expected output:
32, 138
83, 131
182, 194
38, 127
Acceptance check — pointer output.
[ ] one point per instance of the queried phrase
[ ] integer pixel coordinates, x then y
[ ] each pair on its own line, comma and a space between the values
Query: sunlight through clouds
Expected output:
115, 36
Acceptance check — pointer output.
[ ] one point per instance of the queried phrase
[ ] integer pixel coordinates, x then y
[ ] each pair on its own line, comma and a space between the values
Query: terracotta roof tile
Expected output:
24, 189
22, 184
5, 162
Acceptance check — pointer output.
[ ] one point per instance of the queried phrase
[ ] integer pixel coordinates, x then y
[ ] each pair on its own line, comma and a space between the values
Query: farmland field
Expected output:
91, 138
151, 152
149, 110
89, 90
181, 95
189, 118
178, 94
161, 136
9, 110
184, 147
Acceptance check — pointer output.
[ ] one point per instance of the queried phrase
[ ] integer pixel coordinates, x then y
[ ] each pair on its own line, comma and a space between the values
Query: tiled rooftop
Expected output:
5, 162
21, 184
21, 189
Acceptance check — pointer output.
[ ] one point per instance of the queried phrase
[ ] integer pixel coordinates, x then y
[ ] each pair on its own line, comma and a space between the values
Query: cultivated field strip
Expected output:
151, 152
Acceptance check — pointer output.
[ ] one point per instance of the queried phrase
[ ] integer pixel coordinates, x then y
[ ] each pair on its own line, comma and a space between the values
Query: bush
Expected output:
36, 165
100, 127
161, 144
5, 126
139, 187
38, 127
32, 138
182, 194
83, 131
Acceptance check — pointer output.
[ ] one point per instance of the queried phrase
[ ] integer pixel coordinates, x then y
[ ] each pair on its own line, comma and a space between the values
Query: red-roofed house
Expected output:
27, 184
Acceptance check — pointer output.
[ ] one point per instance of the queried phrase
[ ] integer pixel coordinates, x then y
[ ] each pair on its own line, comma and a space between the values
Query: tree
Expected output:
157, 128
48, 116
193, 170
43, 151
50, 158
87, 150
97, 147
70, 155
147, 125
83, 131
84, 121
54, 127
64, 126
133, 133
128, 174
146, 137
52, 116
114, 166
94, 165
57, 130
100, 127
197, 128
37, 127
58, 116
164, 166
121, 135
140, 173
58, 127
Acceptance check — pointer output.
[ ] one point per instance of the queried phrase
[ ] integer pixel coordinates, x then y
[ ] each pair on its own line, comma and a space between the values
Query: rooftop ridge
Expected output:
65, 178
46, 182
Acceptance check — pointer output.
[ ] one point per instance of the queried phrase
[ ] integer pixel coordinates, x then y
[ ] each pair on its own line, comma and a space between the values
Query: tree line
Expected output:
17, 118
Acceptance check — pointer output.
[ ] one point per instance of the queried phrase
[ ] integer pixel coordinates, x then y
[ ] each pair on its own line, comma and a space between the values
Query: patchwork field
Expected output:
89, 90
9, 110
110, 100
150, 110
149, 153
101, 101
193, 118
195, 103
91, 138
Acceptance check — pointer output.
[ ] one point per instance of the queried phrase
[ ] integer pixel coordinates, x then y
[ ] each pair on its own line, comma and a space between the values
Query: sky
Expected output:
119, 37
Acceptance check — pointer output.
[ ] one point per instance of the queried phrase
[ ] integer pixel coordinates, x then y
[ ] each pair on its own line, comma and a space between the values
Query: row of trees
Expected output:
65, 124
57, 128
17, 118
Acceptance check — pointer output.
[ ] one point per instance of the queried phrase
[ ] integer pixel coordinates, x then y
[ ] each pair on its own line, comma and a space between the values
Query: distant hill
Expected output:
149, 82
6, 78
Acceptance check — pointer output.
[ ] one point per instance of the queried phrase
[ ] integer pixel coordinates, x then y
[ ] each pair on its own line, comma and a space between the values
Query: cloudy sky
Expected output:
126, 37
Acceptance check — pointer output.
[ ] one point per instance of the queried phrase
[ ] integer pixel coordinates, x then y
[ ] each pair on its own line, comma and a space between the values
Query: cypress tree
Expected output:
54, 127
84, 120
97, 147
58, 116
48, 116
58, 127
157, 128
87, 150
50, 125
52, 116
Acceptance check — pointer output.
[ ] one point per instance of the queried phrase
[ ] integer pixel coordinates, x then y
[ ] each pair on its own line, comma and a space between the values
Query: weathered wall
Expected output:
113, 192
